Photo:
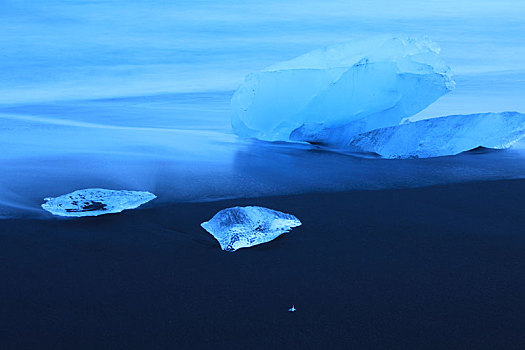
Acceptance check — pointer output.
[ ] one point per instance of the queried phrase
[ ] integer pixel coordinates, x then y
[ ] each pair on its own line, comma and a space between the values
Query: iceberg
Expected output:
95, 202
329, 95
443, 136
242, 227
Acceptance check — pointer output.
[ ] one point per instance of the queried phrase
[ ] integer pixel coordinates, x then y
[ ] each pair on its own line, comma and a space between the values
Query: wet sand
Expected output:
439, 267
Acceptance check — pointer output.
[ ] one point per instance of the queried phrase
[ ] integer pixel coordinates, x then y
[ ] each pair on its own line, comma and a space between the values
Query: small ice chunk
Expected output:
95, 201
329, 94
443, 136
241, 227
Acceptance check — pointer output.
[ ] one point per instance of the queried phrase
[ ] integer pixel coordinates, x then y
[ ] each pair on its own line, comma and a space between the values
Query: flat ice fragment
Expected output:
95, 201
443, 136
331, 94
241, 227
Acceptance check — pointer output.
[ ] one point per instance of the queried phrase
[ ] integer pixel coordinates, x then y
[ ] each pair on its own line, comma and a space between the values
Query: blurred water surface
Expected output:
135, 94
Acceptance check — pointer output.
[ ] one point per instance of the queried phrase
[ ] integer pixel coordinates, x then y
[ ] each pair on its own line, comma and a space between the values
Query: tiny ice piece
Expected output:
241, 227
95, 201
292, 309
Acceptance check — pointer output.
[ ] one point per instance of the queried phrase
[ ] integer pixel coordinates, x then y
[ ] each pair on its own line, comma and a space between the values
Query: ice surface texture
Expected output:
95, 201
241, 227
443, 136
329, 95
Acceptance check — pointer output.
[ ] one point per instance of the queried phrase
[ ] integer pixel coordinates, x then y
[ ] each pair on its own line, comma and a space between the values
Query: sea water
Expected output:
135, 95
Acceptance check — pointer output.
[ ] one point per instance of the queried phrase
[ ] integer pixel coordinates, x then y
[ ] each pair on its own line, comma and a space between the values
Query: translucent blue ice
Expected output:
443, 136
242, 227
95, 202
328, 95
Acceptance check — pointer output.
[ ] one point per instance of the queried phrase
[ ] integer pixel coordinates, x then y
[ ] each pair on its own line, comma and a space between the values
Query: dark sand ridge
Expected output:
437, 267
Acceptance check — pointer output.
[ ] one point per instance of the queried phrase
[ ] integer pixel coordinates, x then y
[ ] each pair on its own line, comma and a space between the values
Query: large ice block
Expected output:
329, 95
443, 136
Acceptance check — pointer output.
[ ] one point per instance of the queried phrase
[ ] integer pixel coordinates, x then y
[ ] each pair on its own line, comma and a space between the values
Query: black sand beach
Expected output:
429, 268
